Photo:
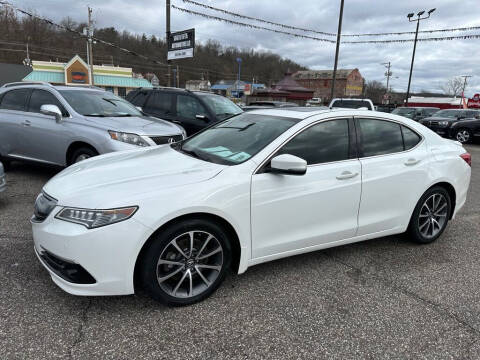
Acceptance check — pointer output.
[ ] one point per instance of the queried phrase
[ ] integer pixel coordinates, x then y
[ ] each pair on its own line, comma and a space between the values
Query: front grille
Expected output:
67, 270
43, 207
169, 139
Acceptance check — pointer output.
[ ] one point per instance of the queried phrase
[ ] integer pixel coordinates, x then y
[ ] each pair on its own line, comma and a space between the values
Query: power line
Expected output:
256, 19
321, 32
212, 17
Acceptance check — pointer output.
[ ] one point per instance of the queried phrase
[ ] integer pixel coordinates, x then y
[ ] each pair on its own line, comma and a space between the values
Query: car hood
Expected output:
140, 125
108, 179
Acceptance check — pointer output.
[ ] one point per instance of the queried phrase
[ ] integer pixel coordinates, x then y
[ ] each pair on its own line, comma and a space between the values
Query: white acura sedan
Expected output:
257, 187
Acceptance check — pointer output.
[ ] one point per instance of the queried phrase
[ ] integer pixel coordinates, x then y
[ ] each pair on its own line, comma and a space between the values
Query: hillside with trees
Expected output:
212, 61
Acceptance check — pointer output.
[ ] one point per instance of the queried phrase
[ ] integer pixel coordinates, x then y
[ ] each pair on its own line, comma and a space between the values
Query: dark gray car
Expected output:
62, 125
3, 182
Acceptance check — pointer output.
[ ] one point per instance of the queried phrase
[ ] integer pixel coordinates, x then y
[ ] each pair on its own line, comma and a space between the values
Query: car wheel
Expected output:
6, 164
463, 135
186, 262
82, 154
430, 216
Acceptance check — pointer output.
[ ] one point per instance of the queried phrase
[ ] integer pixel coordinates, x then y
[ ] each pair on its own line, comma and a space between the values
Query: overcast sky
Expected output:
435, 62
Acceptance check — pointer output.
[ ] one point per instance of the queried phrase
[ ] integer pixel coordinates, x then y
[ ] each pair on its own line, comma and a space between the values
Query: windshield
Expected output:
447, 113
220, 106
98, 103
407, 112
235, 140
351, 104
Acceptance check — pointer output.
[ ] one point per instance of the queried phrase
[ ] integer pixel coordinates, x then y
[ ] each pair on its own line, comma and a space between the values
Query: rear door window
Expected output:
379, 137
160, 103
15, 100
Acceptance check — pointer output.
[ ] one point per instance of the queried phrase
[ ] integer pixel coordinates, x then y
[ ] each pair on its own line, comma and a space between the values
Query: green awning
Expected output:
99, 80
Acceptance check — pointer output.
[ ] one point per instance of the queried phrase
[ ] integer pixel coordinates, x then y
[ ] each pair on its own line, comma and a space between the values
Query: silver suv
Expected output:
62, 125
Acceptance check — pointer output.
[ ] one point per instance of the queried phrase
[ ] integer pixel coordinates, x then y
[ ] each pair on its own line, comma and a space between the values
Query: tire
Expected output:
172, 277
463, 135
431, 215
80, 154
6, 163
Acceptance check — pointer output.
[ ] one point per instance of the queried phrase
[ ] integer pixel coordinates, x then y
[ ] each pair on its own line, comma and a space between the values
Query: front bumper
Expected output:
3, 183
90, 262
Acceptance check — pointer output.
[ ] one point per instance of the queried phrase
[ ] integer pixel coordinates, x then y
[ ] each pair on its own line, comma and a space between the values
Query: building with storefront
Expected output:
348, 82
119, 80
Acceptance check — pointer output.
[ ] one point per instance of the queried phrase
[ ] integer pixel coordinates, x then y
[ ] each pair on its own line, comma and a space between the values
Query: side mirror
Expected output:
201, 117
52, 110
139, 108
288, 164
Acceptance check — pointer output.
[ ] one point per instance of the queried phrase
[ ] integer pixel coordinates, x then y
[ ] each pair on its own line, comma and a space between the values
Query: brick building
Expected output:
348, 83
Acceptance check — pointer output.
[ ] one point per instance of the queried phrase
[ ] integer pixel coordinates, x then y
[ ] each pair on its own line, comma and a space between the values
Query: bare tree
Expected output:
374, 90
453, 86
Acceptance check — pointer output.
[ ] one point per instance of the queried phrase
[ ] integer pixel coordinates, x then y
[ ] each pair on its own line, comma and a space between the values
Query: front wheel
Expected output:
81, 154
463, 135
430, 217
186, 262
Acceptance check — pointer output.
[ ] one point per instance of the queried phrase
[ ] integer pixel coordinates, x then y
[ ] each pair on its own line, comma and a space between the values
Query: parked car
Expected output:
442, 120
259, 186
316, 101
3, 181
348, 103
415, 113
465, 130
388, 108
193, 110
62, 125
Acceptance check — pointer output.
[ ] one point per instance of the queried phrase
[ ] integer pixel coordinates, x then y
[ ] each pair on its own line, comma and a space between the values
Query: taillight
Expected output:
467, 157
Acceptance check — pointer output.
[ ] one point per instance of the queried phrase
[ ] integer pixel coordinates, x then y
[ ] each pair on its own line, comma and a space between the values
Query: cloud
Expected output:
435, 62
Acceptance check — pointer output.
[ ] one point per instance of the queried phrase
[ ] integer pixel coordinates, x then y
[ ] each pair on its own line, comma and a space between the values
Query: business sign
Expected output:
474, 102
181, 44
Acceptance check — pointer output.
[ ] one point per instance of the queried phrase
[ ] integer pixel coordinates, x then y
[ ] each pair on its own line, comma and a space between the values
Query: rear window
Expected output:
351, 104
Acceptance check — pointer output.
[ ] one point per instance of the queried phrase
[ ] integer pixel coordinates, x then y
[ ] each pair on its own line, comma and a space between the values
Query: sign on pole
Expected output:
181, 44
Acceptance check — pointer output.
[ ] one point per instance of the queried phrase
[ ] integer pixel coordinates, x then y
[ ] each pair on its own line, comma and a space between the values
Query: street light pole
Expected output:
388, 73
169, 62
409, 16
339, 33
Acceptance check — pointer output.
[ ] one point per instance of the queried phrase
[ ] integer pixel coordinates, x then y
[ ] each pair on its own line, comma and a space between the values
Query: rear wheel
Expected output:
6, 163
81, 154
186, 262
463, 135
430, 216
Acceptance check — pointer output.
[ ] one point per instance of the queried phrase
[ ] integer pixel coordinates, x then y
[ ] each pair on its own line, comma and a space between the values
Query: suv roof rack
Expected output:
24, 83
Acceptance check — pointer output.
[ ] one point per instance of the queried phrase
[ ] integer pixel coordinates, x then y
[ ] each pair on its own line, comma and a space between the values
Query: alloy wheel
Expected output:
463, 136
433, 215
190, 264
82, 157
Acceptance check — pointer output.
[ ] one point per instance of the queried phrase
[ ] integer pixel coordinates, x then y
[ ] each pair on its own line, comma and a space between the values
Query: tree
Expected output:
453, 86
374, 90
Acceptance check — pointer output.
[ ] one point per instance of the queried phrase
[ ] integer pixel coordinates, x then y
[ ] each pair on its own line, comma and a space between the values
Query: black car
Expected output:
465, 130
415, 113
194, 110
442, 120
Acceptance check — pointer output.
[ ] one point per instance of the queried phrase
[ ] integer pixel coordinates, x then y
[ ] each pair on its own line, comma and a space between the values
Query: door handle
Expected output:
346, 175
411, 162
26, 123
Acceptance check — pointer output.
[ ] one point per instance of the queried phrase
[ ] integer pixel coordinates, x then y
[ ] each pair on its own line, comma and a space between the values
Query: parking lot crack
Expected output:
389, 283
80, 329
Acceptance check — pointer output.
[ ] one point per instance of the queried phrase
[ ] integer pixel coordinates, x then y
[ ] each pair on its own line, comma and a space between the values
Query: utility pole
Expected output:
178, 77
409, 16
388, 73
168, 37
465, 77
339, 32
90, 44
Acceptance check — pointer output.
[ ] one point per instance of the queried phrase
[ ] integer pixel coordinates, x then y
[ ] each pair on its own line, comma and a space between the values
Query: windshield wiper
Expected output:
192, 153
122, 115
94, 115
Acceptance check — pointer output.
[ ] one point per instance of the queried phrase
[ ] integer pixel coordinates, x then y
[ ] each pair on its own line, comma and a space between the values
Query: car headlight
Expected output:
128, 138
95, 218
443, 123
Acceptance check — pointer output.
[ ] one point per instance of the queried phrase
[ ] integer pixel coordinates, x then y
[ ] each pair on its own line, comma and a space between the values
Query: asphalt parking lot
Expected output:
385, 298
